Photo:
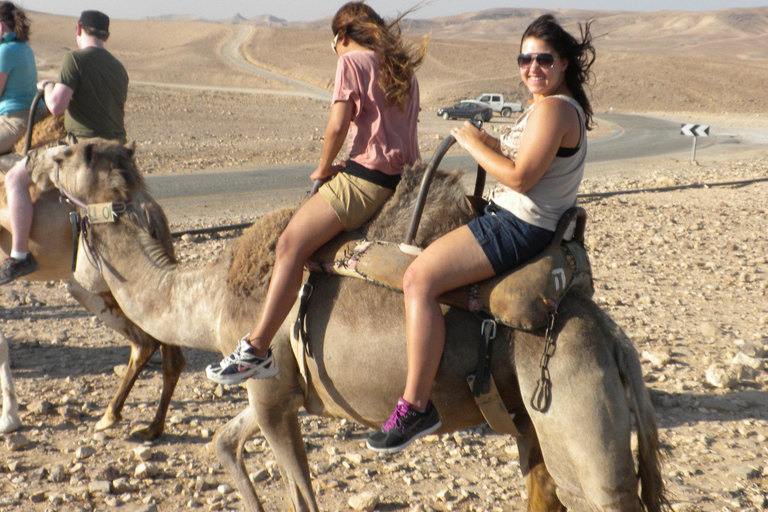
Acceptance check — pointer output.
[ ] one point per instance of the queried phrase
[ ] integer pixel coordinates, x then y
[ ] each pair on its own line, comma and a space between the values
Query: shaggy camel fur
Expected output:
357, 356
51, 243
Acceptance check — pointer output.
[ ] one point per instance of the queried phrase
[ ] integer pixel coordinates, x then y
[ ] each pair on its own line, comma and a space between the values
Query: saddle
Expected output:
522, 298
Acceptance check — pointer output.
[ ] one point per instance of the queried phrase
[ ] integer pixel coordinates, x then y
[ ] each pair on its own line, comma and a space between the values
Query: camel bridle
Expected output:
83, 216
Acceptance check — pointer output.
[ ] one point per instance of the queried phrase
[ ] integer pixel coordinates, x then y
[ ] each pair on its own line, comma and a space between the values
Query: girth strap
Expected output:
482, 379
484, 389
299, 342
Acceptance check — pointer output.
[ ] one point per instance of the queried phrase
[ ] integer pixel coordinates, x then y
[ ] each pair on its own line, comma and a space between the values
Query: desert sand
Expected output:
684, 272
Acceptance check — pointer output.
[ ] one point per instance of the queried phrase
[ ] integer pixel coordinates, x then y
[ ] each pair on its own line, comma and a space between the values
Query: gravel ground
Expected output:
684, 272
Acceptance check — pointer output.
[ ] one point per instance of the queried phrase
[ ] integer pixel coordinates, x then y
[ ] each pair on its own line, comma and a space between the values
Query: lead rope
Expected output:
542, 394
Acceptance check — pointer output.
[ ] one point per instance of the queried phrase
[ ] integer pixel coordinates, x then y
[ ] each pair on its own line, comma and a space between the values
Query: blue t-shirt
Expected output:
18, 62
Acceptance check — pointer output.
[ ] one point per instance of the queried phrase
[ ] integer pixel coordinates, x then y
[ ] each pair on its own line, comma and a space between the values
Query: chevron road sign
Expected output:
695, 130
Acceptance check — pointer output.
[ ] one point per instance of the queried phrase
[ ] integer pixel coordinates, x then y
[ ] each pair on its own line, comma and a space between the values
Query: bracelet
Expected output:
45, 84
485, 137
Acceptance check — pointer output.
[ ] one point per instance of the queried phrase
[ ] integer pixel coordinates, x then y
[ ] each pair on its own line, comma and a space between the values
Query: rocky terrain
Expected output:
683, 271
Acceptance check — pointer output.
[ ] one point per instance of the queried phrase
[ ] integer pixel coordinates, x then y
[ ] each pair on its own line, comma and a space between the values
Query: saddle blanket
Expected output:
522, 298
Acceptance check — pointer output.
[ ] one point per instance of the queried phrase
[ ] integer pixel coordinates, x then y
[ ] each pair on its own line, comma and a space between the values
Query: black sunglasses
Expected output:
545, 60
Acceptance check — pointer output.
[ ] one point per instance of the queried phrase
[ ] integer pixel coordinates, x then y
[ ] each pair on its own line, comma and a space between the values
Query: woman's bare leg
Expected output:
452, 261
314, 224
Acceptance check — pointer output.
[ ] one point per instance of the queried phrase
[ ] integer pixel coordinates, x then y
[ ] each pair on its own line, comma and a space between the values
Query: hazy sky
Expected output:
308, 10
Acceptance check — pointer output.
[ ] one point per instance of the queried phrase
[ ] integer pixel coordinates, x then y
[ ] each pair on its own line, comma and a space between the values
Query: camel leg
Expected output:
228, 444
173, 365
284, 436
9, 421
104, 306
277, 416
585, 432
542, 491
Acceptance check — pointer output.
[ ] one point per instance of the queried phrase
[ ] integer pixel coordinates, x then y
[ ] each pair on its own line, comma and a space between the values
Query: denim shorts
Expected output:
506, 240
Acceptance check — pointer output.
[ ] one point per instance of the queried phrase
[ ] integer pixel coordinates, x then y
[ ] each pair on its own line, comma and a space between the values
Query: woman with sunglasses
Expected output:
376, 104
539, 164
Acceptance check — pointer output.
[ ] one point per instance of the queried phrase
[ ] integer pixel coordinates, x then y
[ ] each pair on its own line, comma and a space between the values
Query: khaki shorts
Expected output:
353, 199
12, 129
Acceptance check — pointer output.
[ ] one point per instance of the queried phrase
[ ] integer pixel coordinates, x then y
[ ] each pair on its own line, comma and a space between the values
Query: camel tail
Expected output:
653, 492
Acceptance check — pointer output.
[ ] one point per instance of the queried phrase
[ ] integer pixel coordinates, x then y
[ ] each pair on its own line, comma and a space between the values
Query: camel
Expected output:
51, 242
577, 453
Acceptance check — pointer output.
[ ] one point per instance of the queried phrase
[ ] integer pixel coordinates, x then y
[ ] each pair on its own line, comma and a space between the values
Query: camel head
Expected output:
99, 171
102, 171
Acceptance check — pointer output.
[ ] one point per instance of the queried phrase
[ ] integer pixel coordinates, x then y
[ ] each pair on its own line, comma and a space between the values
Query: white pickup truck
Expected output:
497, 103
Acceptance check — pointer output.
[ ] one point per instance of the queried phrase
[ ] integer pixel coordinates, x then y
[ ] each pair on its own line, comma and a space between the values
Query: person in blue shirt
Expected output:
18, 75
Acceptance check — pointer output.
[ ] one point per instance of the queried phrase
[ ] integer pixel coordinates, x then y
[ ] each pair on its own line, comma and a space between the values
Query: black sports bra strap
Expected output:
568, 152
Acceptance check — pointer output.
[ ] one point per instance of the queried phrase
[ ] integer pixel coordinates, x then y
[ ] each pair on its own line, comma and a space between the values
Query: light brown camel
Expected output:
51, 242
356, 339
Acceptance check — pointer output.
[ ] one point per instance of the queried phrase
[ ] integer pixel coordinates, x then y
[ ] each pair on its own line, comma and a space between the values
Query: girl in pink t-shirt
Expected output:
376, 104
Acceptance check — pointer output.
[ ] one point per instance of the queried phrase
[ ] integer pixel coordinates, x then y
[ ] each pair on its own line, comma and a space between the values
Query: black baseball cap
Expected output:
94, 19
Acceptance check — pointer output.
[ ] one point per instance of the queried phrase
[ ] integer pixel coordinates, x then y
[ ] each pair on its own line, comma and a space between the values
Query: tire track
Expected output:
232, 52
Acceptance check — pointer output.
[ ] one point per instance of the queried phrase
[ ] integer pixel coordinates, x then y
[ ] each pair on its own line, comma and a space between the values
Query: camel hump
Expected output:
522, 298
46, 131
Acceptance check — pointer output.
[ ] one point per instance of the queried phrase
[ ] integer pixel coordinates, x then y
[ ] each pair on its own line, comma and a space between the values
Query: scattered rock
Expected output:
364, 501
83, 452
100, 487
752, 362
37, 497
259, 476
719, 377
39, 407
16, 442
143, 453
57, 474
146, 470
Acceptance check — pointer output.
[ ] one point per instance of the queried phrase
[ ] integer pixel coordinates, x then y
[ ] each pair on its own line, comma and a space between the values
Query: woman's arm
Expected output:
335, 135
550, 125
3, 81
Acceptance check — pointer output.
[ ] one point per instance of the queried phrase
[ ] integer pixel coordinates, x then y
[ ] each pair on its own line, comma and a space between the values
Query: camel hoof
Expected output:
145, 433
9, 423
107, 421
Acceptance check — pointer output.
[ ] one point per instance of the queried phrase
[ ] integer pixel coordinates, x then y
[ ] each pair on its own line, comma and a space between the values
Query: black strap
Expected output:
74, 219
566, 152
482, 384
299, 326
389, 181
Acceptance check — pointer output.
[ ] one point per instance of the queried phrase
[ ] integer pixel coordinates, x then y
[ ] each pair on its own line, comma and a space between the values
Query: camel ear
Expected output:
88, 153
130, 147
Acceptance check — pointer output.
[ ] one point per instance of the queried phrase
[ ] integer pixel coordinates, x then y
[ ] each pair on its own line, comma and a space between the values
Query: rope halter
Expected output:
84, 215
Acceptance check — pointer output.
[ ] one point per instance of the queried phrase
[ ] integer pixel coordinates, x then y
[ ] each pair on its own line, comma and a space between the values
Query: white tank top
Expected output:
544, 203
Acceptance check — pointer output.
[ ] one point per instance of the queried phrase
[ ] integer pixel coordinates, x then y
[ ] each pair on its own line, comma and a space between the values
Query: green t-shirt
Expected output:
100, 85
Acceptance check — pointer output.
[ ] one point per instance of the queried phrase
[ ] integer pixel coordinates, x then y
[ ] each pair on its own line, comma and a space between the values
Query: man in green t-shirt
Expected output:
91, 93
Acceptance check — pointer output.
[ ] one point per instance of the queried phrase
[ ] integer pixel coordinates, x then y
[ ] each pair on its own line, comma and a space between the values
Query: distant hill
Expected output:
689, 31
175, 17
265, 20
712, 61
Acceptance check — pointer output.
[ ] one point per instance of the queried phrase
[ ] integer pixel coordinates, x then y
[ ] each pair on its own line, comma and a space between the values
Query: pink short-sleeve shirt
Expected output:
381, 136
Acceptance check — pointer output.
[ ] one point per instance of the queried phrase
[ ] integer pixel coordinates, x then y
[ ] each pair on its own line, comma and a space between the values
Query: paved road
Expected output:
635, 137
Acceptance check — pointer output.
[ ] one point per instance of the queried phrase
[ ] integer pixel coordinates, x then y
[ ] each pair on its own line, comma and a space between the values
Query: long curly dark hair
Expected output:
580, 56
15, 19
398, 59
